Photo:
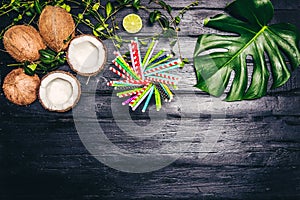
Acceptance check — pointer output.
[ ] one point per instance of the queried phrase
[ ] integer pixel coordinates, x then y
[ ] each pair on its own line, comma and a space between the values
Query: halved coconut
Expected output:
86, 55
59, 91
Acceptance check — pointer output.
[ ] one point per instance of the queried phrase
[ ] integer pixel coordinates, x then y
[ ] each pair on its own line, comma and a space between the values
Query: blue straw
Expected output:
148, 99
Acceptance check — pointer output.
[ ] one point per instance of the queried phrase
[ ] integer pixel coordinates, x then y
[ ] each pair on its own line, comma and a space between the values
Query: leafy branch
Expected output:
170, 22
99, 17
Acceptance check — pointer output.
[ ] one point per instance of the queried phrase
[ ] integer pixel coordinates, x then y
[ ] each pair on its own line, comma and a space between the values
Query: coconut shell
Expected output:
99, 68
23, 43
56, 25
75, 100
20, 88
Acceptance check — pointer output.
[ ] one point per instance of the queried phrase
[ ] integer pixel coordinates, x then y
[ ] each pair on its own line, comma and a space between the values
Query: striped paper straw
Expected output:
137, 82
132, 59
161, 80
140, 92
141, 95
118, 73
164, 67
128, 69
129, 100
120, 60
141, 98
128, 93
168, 76
160, 61
122, 69
136, 58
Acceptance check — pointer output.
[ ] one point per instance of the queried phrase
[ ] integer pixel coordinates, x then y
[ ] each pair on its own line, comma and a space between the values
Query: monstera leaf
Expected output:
216, 57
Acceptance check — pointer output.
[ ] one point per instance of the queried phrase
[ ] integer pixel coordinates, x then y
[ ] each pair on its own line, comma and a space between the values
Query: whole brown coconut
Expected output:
23, 43
20, 88
56, 25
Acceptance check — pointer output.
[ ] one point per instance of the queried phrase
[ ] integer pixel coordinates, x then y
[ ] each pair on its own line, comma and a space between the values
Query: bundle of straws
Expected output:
145, 77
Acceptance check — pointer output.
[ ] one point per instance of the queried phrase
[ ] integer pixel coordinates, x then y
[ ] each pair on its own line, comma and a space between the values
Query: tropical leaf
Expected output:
216, 57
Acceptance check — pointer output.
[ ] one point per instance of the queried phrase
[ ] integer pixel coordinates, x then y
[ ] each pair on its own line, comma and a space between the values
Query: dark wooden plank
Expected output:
241, 151
220, 4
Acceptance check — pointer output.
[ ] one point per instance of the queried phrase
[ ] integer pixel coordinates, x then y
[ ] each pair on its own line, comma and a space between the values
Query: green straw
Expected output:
159, 62
149, 52
156, 56
127, 69
157, 99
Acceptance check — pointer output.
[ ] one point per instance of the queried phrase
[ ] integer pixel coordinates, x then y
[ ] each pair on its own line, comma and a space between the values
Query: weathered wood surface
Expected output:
255, 152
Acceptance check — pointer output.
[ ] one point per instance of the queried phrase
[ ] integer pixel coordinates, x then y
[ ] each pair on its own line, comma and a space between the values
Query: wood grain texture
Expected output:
253, 152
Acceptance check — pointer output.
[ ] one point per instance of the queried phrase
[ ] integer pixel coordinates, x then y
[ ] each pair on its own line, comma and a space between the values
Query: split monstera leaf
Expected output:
216, 57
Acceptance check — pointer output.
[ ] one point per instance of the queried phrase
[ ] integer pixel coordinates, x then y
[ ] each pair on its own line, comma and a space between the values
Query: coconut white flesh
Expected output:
86, 54
59, 91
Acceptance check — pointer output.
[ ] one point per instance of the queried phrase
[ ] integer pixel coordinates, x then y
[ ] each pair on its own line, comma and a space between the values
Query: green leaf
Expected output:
217, 57
177, 20
38, 7
164, 22
173, 43
169, 33
80, 16
154, 16
108, 9
136, 4
169, 9
96, 6
162, 4
101, 27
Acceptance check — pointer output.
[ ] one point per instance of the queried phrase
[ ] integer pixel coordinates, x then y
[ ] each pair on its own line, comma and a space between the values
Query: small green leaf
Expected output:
68, 8
173, 43
165, 23
108, 9
162, 4
96, 6
118, 39
32, 66
143, 43
100, 27
38, 7
29, 68
169, 33
154, 16
136, 4
169, 9
80, 16
118, 46
186, 61
177, 20
28, 13
68, 39
96, 33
